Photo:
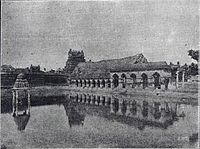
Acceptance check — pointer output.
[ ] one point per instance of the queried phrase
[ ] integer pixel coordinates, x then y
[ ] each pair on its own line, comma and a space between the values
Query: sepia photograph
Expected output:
99, 74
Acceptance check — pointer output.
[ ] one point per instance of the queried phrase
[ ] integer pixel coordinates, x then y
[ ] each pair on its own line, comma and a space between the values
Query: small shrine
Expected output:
21, 101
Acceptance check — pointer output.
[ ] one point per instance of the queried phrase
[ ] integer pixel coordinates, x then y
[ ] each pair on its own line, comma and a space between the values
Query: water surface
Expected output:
72, 122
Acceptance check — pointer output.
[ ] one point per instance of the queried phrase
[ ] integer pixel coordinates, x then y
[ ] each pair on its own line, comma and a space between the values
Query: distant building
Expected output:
34, 69
134, 71
7, 69
74, 58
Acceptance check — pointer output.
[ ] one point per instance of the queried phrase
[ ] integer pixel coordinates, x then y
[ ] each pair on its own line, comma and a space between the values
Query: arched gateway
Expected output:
115, 80
144, 80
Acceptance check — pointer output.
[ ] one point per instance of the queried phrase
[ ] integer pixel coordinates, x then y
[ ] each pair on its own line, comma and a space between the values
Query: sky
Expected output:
42, 32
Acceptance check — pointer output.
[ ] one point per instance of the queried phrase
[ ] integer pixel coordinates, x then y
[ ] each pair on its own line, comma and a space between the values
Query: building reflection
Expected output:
139, 113
74, 116
133, 112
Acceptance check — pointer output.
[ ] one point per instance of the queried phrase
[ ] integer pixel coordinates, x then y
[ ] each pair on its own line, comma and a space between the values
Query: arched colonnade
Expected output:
124, 80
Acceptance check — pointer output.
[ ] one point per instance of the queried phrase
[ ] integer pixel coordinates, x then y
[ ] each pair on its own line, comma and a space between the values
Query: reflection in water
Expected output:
21, 120
74, 117
99, 111
132, 112
21, 108
145, 113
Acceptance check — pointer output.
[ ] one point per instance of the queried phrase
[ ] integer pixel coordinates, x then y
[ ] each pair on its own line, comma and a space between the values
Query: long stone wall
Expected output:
133, 79
124, 80
37, 79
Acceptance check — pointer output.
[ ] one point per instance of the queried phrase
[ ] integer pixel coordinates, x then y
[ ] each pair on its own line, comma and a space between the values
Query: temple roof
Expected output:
140, 67
102, 69
21, 81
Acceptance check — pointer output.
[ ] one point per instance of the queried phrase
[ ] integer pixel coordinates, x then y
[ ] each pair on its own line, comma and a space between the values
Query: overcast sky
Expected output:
41, 33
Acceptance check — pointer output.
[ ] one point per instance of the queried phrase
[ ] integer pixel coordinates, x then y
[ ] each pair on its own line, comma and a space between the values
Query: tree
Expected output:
194, 54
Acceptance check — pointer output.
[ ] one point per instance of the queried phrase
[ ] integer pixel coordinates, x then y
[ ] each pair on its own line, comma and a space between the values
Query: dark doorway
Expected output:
156, 77
115, 80
123, 76
144, 80
103, 83
133, 76
94, 83
98, 83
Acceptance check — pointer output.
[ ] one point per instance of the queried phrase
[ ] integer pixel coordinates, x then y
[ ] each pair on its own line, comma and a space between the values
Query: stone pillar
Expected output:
111, 84
29, 101
83, 99
101, 100
87, 99
96, 100
174, 107
91, 83
101, 86
17, 100
162, 117
106, 84
183, 79
92, 99
119, 112
151, 111
95, 84
106, 100
177, 79
112, 107
79, 83
13, 101
139, 112
120, 83
77, 97
167, 107
128, 111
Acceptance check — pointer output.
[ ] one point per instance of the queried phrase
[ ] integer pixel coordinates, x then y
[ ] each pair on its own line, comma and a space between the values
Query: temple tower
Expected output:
74, 58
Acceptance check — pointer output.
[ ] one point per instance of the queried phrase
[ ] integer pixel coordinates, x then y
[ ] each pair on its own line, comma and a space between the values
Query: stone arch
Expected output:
123, 77
93, 83
98, 83
156, 77
115, 80
144, 80
133, 77
103, 82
